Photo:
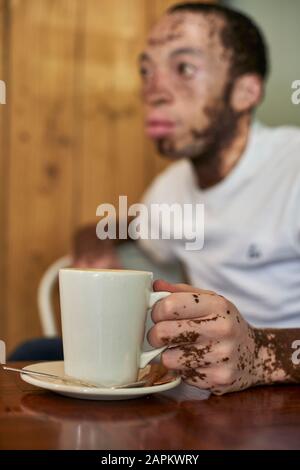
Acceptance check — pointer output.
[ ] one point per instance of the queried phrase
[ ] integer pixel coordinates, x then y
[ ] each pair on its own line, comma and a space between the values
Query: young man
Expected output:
203, 71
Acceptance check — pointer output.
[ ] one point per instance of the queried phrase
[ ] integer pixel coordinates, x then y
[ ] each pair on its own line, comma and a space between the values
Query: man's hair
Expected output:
240, 34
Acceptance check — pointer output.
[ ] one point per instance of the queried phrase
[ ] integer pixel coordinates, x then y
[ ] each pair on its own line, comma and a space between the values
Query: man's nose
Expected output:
158, 91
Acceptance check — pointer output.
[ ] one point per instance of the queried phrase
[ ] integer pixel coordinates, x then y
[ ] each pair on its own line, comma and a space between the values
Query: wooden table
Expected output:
261, 418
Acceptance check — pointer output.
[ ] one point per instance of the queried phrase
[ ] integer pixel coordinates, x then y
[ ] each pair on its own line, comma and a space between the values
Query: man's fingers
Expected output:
182, 305
193, 356
202, 377
188, 331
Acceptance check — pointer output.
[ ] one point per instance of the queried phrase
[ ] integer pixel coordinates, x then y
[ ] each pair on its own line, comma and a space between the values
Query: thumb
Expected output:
161, 285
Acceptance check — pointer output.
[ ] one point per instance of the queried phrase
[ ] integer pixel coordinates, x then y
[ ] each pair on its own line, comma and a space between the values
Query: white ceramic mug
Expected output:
103, 323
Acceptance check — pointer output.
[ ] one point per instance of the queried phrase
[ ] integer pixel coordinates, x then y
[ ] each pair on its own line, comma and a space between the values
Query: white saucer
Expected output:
77, 391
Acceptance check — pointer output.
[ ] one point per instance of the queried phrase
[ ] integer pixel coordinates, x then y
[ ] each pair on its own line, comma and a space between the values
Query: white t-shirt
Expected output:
251, 252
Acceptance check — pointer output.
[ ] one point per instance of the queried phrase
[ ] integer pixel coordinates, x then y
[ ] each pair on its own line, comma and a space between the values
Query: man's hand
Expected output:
211, 344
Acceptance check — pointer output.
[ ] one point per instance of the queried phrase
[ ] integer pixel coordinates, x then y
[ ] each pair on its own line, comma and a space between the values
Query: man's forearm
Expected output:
277, 360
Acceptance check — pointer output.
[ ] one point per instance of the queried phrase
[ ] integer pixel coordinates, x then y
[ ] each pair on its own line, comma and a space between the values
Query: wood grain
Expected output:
261, 418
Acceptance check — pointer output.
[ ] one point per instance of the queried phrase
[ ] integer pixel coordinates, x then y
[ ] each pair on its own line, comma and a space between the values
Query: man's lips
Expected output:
159, 128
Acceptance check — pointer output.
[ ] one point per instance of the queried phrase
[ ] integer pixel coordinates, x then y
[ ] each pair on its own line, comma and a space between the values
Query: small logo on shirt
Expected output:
254, 252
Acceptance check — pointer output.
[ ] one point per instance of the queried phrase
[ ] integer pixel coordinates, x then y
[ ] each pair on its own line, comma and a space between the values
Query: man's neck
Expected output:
212, 169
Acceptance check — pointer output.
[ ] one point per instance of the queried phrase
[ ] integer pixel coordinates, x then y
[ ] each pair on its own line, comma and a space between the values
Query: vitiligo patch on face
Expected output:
168, 30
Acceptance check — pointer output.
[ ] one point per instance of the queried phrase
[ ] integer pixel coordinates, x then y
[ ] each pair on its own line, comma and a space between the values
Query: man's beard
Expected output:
207, 144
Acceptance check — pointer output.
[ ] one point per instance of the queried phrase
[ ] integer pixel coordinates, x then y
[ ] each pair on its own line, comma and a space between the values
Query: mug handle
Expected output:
146, 357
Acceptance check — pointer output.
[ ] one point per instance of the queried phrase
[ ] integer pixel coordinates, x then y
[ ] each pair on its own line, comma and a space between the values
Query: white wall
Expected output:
280, 22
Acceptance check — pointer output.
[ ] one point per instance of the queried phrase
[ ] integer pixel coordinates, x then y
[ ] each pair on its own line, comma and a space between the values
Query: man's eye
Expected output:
186, 70
144, 72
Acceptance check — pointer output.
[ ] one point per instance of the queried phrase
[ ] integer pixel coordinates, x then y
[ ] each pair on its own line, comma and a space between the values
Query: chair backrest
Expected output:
44, 296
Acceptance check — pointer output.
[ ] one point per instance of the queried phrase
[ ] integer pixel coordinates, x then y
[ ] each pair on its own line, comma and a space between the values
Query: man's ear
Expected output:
247, 93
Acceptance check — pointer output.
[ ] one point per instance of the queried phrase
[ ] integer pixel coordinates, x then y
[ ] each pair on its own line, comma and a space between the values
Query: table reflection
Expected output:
126, 424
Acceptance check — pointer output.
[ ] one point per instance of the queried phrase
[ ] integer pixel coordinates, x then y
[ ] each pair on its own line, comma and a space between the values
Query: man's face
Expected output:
185, 71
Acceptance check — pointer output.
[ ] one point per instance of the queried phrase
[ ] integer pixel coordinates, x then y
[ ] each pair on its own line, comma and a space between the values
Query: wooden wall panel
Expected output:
43, 147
